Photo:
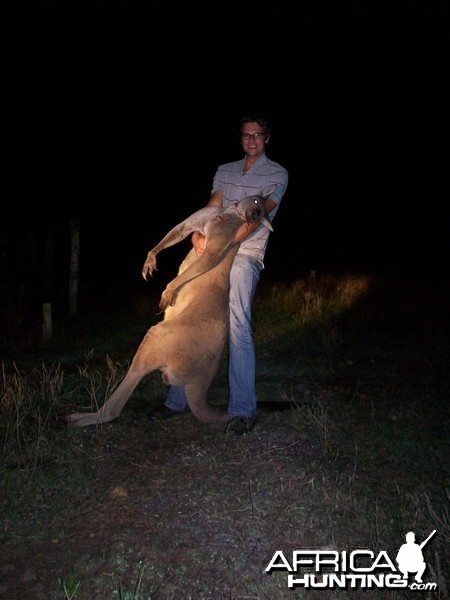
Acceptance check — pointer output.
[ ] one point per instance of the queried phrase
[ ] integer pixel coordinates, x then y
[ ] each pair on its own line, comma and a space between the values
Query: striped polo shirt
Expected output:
235, 186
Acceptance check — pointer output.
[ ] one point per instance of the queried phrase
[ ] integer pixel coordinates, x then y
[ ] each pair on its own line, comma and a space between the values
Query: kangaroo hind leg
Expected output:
196, 393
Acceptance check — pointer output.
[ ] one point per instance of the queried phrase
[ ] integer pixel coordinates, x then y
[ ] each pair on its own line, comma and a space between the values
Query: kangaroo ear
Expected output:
265, 192
266, 221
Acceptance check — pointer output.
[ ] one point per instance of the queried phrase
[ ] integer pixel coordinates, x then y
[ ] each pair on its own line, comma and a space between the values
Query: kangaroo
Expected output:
187, 345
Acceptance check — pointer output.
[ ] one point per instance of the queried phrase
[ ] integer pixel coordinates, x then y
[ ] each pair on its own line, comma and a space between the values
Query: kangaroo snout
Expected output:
258, 214
254, 208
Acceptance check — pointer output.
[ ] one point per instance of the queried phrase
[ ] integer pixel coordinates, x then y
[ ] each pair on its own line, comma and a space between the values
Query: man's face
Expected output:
253, 139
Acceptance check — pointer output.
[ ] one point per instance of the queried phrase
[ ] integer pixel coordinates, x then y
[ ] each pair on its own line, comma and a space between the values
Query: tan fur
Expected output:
187, 345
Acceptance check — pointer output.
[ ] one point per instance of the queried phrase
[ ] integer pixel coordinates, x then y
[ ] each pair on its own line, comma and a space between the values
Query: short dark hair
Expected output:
262, 122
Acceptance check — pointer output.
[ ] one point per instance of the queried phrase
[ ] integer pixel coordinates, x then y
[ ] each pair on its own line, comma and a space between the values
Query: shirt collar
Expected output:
262, 158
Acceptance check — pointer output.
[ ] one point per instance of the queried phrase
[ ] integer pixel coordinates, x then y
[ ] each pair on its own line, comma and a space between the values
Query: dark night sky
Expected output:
119, 112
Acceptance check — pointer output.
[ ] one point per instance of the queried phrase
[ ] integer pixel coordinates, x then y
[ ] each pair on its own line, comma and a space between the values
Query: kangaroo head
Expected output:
253, 207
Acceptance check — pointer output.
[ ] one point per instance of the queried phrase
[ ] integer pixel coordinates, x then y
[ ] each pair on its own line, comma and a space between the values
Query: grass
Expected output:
181, 510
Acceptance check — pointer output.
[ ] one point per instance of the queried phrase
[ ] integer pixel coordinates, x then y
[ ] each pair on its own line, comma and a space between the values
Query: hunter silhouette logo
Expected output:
361, 568
410, 556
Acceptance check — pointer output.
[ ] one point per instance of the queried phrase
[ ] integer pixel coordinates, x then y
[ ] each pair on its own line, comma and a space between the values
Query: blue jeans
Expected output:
244, 278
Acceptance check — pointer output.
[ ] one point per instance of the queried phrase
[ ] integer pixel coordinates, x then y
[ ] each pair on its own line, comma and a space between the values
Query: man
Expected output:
234, 181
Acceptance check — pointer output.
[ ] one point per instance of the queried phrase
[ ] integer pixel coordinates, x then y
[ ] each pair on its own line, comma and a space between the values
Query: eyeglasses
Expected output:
256, 136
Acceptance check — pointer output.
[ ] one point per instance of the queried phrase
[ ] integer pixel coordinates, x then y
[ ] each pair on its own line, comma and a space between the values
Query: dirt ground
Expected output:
181, 500
179, 509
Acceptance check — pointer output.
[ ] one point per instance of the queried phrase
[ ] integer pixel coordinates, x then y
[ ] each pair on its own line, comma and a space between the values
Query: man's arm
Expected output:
216, 198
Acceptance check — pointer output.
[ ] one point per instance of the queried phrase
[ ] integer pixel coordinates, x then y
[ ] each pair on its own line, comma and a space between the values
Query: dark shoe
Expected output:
241, 425
163, 412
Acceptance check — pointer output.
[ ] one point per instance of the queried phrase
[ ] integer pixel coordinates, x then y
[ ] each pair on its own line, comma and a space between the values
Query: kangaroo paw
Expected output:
149, 266
167, 298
